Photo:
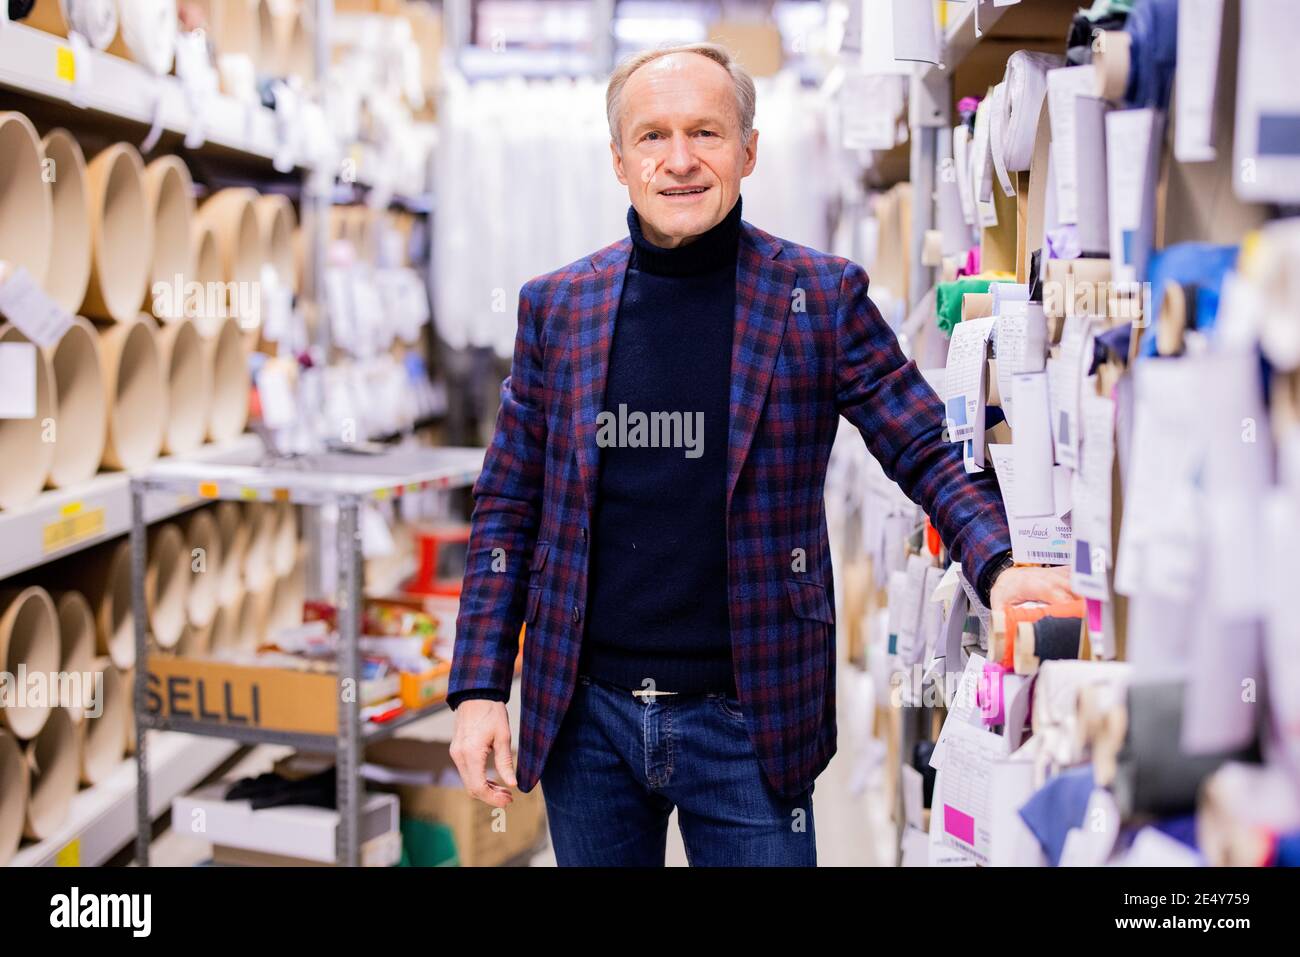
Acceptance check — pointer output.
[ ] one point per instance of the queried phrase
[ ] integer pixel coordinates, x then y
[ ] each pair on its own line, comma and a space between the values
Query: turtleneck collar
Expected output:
713, 250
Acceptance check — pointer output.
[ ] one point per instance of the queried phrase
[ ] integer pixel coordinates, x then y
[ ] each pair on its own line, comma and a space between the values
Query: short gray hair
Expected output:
744, 83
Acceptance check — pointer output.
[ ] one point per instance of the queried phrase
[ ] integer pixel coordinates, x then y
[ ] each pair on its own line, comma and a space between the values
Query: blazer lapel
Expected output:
597, 297
763, 291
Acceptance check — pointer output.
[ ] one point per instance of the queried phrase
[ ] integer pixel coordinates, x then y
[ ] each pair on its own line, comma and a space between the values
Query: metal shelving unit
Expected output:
341, 479
61, 522
40, 64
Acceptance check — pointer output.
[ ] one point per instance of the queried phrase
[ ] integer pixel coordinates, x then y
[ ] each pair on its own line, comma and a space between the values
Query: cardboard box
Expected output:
382, 851
485, 836
305, 833
424, 689
279, 699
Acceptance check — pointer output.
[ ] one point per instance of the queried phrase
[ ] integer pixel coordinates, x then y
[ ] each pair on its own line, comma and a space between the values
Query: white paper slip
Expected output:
1133, 140
910, 648
941, 853
963, 707
1091, 513
1267, 141
913, 787
966, 815
896, 610
1063, 86
916, 37
1063, 383
1034, 541
1020, 345
275, 391
1031, 457
1090, 170
1011, 843
1196, 80
25, 304
981, 161
964, 379
961, 143
17, 380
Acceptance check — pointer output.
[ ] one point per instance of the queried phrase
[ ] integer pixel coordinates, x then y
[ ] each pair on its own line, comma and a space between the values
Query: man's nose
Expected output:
681, 158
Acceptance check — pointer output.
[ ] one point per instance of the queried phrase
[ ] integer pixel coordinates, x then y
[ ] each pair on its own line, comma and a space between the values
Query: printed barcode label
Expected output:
1049, 556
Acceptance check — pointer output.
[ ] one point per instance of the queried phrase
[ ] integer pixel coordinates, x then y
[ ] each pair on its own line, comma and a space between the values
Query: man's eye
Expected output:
651, 136
707, 133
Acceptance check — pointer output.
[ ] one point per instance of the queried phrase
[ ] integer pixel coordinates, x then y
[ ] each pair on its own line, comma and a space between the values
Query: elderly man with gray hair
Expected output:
679, 641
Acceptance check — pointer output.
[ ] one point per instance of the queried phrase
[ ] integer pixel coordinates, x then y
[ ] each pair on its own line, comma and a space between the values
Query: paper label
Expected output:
17, 380
25, 304
77, 524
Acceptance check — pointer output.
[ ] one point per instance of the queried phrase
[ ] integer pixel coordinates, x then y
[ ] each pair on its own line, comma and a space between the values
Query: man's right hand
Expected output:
482, 727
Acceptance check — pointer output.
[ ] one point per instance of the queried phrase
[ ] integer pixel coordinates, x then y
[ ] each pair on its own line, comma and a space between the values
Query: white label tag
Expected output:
17, 380
36, 315
276, 393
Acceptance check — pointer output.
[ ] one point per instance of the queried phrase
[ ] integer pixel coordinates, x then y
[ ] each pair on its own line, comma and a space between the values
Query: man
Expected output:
652, 504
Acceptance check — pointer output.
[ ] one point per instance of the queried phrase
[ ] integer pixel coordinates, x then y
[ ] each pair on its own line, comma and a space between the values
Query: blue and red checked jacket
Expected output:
808, 347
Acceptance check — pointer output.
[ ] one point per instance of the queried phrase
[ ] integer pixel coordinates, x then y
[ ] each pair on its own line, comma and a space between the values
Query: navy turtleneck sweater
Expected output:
657, 589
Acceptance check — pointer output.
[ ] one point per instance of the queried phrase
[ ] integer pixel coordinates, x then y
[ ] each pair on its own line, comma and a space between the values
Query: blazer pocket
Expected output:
534, 601
808, 598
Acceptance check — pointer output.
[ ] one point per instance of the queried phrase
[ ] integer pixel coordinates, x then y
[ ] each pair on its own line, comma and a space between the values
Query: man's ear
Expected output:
751, 154
618, 163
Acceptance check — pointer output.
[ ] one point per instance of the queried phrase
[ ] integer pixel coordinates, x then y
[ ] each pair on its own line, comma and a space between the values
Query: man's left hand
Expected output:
1016, 585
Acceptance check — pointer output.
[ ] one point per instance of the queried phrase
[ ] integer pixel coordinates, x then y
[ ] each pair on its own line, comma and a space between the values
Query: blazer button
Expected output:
577, 614
583, 532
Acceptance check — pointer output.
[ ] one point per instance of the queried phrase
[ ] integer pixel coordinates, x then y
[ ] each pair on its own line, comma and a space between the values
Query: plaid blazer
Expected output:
808, 347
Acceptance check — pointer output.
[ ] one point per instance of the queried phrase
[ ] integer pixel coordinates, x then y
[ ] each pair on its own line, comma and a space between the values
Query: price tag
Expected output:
75, 524
26, 305
17, 380
69, 855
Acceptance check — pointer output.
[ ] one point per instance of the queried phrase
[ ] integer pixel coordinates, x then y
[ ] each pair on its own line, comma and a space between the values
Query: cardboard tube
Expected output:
222, 635
203, 551
229, 363
268, 51
1111, 60
104, 577
146, 34
247, 626
69, 266
233, 26
26, 205
167, 583
29, 639
287, 599
170, 191
207, 275
128, 679
232, 217
14, 786
81, 410
76, 642
276, 219
53, 760
133, 381
293, 43
121, 234
25, 455
258, 559
284, 549
103, 738
96, 20
232, 533
188, 391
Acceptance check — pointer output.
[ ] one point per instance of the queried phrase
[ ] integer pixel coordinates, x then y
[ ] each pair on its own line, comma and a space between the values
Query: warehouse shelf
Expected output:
979, 20
43, 65
63, 521
102, 819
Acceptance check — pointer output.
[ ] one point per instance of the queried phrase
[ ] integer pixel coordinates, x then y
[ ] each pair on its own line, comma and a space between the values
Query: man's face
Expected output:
682, 157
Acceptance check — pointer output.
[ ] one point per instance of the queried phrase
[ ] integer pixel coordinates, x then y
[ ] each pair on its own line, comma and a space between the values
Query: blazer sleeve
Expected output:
503, 528
901, 419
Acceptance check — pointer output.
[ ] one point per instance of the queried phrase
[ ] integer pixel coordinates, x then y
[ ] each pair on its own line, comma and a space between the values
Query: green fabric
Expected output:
1104, 8
948, 299
427, 844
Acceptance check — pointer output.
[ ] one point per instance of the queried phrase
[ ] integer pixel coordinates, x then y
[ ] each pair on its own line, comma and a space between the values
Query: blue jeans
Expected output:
621, 763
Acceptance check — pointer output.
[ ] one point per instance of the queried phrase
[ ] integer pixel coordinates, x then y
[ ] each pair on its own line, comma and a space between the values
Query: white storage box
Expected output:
303, 832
